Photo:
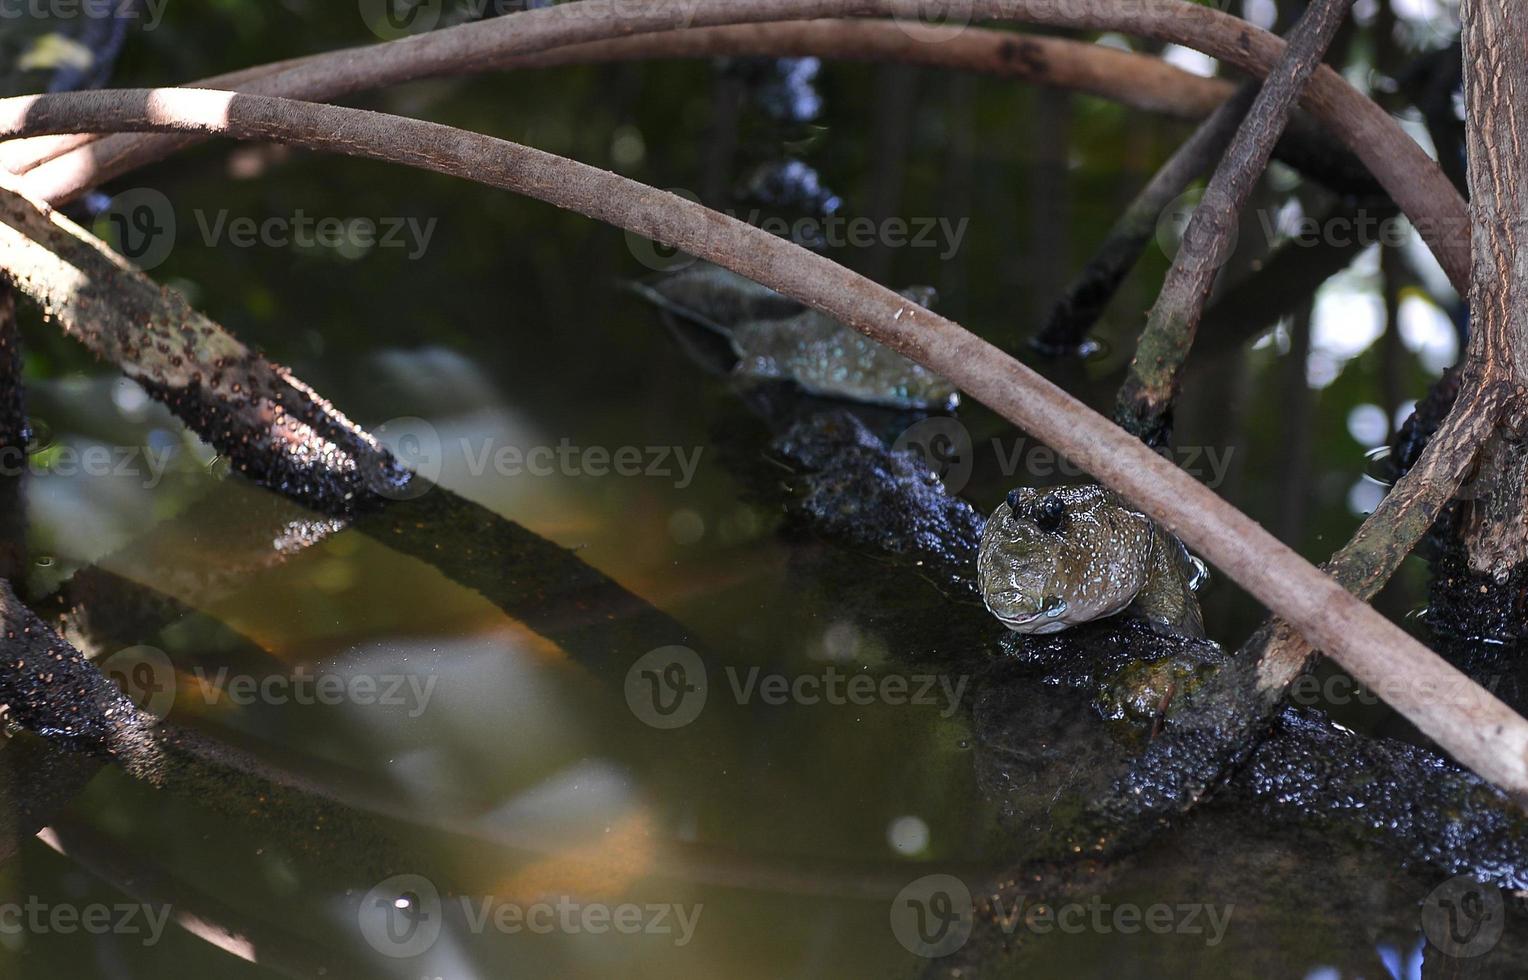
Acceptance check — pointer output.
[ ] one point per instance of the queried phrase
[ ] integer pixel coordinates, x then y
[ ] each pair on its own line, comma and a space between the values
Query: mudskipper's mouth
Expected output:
1050, 611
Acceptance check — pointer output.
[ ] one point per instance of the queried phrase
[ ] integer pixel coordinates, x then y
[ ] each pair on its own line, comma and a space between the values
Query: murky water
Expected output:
492, 796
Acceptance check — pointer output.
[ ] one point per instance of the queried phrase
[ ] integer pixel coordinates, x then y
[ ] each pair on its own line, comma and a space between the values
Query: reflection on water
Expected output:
547, 827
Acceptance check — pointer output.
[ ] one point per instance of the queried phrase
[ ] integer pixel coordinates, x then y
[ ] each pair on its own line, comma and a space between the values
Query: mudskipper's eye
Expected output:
1013, 500
1049, 513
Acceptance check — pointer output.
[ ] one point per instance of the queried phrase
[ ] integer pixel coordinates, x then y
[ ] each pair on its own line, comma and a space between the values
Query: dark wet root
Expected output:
287, 454
51, 688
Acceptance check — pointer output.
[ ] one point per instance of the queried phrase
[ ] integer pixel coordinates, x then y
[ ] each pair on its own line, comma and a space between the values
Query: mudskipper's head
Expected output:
1053, 558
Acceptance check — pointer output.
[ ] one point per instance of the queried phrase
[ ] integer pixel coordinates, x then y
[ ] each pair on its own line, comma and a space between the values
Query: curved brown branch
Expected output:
1411, 178
1473, 726
204, 373
1282, 286
1209, 734
1145, 401
1066, 330
1493, 525
1136, 80
1219, 725
199, 913
282, 435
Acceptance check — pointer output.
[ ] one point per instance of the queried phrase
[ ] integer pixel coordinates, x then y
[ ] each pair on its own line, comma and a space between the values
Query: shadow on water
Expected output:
868, 740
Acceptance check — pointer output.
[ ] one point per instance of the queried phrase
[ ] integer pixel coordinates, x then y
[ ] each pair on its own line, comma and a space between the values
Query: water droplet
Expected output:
1201, 576
45, 562
40, 436
1088, 351
1092, 350
1379, 467
908, 835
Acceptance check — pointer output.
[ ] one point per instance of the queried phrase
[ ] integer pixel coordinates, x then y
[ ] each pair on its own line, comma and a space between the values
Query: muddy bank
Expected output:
1060, 717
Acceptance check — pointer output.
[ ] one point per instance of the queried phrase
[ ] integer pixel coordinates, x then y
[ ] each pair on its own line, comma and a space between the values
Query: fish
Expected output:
766, 336
1052, 558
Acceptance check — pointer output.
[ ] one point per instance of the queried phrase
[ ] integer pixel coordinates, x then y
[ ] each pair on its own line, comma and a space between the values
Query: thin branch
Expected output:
288, 436
1473, 726
199, 913
1067, 329
1219, 725
1136, 80
282, 435
1210, 733
1283, 285
14, 434
1145, 400
1411, 178
1490, 526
